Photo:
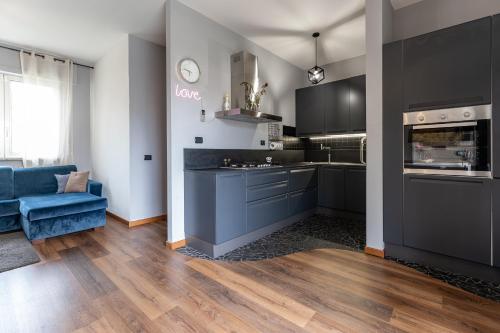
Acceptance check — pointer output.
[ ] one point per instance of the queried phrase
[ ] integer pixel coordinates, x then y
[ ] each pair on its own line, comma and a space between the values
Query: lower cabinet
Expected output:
449, 216
355, 190
265, 212
302, 201
495, 200
331, 187
343, 188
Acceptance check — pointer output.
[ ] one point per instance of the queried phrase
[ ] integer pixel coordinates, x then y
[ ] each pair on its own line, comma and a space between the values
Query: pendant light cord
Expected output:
316, 40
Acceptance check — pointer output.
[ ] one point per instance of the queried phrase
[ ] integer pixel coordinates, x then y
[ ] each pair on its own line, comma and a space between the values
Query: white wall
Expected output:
190, 34
378, 31
147, 129
342, 69
431, 15
110, 128
10, 63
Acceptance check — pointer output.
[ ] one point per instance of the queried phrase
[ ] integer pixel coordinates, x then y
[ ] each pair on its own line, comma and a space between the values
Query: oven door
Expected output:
453, 148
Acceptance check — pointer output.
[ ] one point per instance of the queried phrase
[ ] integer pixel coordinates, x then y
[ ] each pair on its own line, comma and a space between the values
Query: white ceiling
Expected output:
82, 30
284, 27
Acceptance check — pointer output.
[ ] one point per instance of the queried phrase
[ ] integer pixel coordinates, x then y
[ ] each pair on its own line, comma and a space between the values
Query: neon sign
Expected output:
187, 93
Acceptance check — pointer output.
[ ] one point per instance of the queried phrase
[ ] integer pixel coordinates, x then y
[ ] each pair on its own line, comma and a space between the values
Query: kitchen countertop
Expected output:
288, 165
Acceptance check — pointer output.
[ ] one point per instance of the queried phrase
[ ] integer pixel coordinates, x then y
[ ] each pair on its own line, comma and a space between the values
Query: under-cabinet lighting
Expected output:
338, 136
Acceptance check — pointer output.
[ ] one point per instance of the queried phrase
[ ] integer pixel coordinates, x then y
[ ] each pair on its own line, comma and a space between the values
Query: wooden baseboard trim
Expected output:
136, 223
153, 219
374, 252
175, 245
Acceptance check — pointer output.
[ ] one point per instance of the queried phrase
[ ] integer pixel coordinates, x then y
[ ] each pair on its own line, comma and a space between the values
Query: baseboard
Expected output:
136, 223
374, 252
175, 245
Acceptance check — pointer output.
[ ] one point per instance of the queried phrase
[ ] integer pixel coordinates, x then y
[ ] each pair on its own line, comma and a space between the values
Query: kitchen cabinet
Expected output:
357, 103
303, 178
495, 200
265, 212
331, 187
219, 201
336, 104
449, 216
310, 112
342, 188
355, 190
449, 67
330, 108
302, 201
496, 97
393, 139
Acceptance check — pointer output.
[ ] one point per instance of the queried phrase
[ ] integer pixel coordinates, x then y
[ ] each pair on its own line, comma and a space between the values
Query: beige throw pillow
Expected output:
77, 182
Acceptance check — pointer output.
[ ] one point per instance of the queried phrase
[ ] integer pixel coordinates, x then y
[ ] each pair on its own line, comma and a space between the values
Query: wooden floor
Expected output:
124, 280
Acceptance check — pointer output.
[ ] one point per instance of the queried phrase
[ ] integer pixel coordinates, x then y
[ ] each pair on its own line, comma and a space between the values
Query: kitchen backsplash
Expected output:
344, 149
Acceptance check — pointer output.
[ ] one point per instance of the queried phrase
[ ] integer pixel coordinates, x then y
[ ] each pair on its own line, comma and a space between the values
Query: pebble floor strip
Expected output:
315, 232
321, 231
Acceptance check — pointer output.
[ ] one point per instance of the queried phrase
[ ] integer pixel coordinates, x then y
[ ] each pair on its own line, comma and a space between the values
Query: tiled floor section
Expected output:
316, 232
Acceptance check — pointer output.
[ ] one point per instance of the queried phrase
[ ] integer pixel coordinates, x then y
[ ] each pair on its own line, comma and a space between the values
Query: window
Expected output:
21, 129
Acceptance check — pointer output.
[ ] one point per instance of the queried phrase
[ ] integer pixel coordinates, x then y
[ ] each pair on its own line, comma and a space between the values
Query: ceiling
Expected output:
82, 30
284, 27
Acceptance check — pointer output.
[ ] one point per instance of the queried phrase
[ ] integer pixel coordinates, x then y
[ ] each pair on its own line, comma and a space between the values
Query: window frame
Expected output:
7, 116
2, 117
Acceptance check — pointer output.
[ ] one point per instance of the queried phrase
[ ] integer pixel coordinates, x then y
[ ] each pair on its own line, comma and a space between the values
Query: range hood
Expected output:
244, 68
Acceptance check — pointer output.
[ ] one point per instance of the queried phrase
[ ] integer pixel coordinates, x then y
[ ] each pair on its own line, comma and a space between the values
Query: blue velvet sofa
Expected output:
28, 200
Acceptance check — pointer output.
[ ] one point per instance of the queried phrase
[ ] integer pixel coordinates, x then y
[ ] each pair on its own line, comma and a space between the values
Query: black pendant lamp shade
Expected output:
316, 74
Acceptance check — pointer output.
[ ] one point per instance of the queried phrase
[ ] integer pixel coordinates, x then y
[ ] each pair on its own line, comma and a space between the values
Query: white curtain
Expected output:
43, 111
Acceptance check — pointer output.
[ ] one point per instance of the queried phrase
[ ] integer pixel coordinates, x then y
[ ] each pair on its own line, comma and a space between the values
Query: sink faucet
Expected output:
329, 152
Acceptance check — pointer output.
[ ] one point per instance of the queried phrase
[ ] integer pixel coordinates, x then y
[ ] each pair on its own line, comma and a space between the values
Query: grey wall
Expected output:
147, 129
430, 15
190, 34
10, 63
342, 69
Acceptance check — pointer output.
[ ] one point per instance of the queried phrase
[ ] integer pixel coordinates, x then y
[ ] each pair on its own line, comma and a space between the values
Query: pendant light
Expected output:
316, 74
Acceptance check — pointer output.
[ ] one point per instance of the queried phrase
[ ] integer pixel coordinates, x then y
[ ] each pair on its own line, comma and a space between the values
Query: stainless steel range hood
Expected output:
244, 68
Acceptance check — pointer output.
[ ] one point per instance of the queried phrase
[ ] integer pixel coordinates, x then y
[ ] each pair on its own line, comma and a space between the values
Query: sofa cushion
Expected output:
55, 205
9, 207
6, 183
40, 180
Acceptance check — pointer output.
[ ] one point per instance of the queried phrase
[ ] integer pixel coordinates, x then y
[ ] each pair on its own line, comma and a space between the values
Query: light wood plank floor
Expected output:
121, 280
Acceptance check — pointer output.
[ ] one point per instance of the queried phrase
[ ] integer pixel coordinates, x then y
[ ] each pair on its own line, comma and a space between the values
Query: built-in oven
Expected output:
452, 141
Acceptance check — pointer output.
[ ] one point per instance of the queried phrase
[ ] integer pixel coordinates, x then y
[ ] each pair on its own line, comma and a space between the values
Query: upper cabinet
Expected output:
357, 103
449, 67
330, 108
310, 114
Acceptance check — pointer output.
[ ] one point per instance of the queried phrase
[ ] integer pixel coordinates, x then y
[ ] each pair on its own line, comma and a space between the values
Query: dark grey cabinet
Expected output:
331, 187
449, 67
265, 212
334, 107
357, 103
496, 97
302, 178
355, 190
449, 216
302, 201
393, 142
219, 201
310, 112
336, 103
495, 200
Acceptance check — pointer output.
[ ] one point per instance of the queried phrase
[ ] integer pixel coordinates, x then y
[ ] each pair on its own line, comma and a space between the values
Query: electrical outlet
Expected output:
262, 142
198, 139
148, 157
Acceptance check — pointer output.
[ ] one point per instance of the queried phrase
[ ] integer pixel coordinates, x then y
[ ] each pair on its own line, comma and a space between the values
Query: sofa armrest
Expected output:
94, 187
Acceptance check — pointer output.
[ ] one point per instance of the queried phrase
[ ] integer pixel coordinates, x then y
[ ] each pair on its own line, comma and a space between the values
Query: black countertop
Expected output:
287, 165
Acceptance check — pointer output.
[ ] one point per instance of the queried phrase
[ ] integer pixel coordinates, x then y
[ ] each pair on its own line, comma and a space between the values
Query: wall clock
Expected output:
189, 70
